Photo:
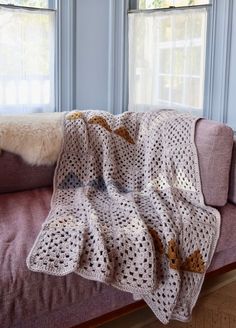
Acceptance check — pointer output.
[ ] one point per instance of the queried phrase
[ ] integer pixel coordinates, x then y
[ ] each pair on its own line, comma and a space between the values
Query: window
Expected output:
27, 3
152, 4
167, 50
27, 56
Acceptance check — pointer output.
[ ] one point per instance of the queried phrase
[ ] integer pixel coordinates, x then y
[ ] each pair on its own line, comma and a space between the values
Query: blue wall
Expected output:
101, 55
92, 42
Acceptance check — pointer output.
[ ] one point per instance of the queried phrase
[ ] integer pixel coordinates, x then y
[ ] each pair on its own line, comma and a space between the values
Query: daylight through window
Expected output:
167, 57
27, 45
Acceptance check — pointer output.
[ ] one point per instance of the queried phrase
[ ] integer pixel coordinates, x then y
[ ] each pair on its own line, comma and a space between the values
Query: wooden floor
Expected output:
216, 308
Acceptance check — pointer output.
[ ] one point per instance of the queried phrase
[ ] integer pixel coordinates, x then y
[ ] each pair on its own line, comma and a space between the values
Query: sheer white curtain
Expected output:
27, 52
167, 59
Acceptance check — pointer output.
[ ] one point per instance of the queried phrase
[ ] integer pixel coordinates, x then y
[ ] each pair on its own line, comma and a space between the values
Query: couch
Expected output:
36, 300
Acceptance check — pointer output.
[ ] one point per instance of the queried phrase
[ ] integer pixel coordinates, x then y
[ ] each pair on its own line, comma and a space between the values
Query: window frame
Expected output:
65, 75
206, 110
64, 48
218, 100
51, 7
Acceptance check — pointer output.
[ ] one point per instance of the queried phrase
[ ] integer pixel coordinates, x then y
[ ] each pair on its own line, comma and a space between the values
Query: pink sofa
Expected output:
29, 299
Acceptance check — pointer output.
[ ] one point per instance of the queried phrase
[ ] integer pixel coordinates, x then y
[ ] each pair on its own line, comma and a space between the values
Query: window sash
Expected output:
51, 4
30, 92
136, 10
65, 14
195, 77
174, 4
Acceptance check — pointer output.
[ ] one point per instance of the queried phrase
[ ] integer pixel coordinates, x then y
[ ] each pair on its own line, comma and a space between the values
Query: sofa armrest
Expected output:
214, 142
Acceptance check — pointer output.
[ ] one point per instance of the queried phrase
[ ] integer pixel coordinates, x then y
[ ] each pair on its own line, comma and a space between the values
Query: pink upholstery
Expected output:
16, 175
232, 184
226, 249
26, 296
227, 238
214, 143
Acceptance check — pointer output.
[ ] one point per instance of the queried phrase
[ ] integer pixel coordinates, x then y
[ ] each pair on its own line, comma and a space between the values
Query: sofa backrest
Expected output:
214, 146
16, 175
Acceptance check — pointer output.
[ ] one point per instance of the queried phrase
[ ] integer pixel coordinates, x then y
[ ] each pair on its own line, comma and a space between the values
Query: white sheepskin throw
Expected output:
35, 137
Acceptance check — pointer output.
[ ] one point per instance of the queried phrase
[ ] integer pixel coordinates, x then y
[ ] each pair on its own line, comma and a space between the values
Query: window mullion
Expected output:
65, 79
133, 4
184, 78
171, 8
172, 58
203, 64
52, 4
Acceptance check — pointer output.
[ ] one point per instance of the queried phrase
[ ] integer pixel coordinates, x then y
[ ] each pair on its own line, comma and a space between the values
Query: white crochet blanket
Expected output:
128, 209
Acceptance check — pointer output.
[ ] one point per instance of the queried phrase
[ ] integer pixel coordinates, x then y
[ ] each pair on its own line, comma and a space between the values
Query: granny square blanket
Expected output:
128, 209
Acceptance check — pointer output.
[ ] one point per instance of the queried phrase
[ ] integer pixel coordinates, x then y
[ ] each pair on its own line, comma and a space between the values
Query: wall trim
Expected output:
111, 58
219, 60
228, 40
65, 62
58, 78
117, 100
210, 59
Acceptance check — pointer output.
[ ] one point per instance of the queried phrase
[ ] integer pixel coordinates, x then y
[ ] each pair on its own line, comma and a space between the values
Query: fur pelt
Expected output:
37, 138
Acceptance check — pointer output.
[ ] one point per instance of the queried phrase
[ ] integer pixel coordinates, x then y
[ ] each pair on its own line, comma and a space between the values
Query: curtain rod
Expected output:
146, 11
10, 6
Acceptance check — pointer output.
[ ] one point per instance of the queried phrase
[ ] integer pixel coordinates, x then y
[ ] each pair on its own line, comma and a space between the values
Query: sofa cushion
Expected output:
29, 299
232, 183
214, 143
225, 253
16, 175
227, 238
26, 297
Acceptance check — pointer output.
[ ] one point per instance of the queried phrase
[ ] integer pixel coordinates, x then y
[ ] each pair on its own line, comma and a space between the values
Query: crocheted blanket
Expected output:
128, 209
